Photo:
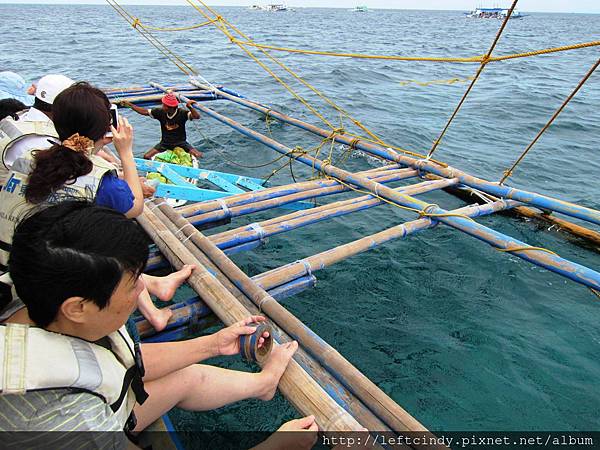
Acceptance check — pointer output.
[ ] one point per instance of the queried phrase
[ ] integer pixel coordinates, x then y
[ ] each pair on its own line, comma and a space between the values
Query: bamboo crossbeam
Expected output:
384, 407
298, 387
280, 191
299, 219
561, 224
538, 200
545, 259
264, 205
310, 264
331, 385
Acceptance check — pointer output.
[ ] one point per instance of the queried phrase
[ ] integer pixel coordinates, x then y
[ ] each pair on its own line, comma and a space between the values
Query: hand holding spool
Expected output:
250, 337
257, 346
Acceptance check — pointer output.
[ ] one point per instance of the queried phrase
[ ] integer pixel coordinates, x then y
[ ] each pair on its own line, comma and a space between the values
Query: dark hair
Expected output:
42, 105
81, 109
73, 249
10, 107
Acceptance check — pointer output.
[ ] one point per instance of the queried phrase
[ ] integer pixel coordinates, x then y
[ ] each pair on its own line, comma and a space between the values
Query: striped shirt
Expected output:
47, 419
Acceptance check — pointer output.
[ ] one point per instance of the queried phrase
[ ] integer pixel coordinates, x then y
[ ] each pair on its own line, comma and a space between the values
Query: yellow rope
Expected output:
421, 212
546, 51
191, 27
169, 54
445, 59
484, 62
525, 248
330, 102
429, 83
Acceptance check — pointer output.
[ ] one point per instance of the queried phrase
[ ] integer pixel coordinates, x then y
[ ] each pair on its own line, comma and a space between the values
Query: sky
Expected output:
574, 6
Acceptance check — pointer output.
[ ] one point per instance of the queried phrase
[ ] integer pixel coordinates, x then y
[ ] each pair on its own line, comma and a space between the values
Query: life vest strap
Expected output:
15, 351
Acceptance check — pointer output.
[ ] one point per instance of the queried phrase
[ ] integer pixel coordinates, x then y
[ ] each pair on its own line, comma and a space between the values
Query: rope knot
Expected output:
136, 22
428, 210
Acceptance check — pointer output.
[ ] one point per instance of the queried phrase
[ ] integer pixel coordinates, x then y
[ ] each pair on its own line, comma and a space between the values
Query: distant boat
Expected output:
360, 9
255, 7
276, 7
493, 13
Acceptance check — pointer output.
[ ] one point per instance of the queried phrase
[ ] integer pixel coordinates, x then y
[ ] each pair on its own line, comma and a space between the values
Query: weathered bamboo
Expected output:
542, 258
377, 401
310, 264
182, 312
194, 308
263, 194
297, 386
236, 211
468, 194
541, 201
562, 224
248, 201
330, 384
262, 230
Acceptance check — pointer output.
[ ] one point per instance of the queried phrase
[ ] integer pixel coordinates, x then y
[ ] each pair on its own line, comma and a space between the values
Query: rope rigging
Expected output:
243, 41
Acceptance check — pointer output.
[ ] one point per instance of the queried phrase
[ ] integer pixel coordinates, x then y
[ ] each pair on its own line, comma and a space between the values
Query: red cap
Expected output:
170, 100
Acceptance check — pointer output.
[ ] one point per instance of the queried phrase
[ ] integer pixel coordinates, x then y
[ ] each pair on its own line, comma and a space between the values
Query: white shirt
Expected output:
30, 142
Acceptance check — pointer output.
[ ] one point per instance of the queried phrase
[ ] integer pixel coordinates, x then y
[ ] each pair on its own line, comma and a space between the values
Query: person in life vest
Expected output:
71, 168
67, 361
33, 127
172, 124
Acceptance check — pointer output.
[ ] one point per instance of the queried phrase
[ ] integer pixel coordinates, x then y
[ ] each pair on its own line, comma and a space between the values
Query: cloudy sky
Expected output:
577, 6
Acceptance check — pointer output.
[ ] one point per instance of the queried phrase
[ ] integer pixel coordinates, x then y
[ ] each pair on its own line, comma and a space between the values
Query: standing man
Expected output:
172, 124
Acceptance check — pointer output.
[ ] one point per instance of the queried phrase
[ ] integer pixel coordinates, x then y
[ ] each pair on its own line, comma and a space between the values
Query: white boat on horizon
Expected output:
493, 13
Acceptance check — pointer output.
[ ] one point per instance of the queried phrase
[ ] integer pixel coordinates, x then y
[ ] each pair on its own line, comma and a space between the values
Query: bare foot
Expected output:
159, 318
165, 287
275, 366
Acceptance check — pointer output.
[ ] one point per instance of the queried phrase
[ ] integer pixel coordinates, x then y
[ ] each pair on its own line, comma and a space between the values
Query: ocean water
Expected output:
460, 335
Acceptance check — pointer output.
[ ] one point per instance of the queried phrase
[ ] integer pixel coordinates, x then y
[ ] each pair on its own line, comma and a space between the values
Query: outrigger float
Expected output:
319, 380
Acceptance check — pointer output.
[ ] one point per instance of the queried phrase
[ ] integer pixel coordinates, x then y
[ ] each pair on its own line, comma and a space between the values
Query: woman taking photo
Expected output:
71, 168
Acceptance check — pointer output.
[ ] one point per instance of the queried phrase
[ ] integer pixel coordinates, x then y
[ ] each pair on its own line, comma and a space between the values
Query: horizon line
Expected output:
170, 4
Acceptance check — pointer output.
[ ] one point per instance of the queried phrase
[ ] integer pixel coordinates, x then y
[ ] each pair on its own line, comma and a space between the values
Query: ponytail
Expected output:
52, 169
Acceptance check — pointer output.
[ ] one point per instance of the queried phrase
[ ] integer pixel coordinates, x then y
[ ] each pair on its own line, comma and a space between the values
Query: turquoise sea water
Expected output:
461, 336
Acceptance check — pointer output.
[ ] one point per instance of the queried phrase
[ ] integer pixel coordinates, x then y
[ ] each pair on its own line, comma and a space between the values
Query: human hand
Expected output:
123, 138
125, 103
190, 103
227, 339
297, 434
147, 190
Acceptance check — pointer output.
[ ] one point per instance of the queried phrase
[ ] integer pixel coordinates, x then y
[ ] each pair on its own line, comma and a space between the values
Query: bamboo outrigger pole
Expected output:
226, 212
255, 200
538, 200
332, 386
388, 411
283, 224
310, 264
545, 259
311, 398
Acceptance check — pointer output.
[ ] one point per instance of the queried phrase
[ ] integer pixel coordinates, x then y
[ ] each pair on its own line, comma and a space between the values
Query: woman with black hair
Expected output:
72, 169
68, 363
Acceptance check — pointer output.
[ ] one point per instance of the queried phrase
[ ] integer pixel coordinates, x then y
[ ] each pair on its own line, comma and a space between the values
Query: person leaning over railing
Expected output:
68, 363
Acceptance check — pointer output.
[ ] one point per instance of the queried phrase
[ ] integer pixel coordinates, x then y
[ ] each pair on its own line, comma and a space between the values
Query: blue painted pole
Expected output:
259, 231
532, 198
549, 261
247, 206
